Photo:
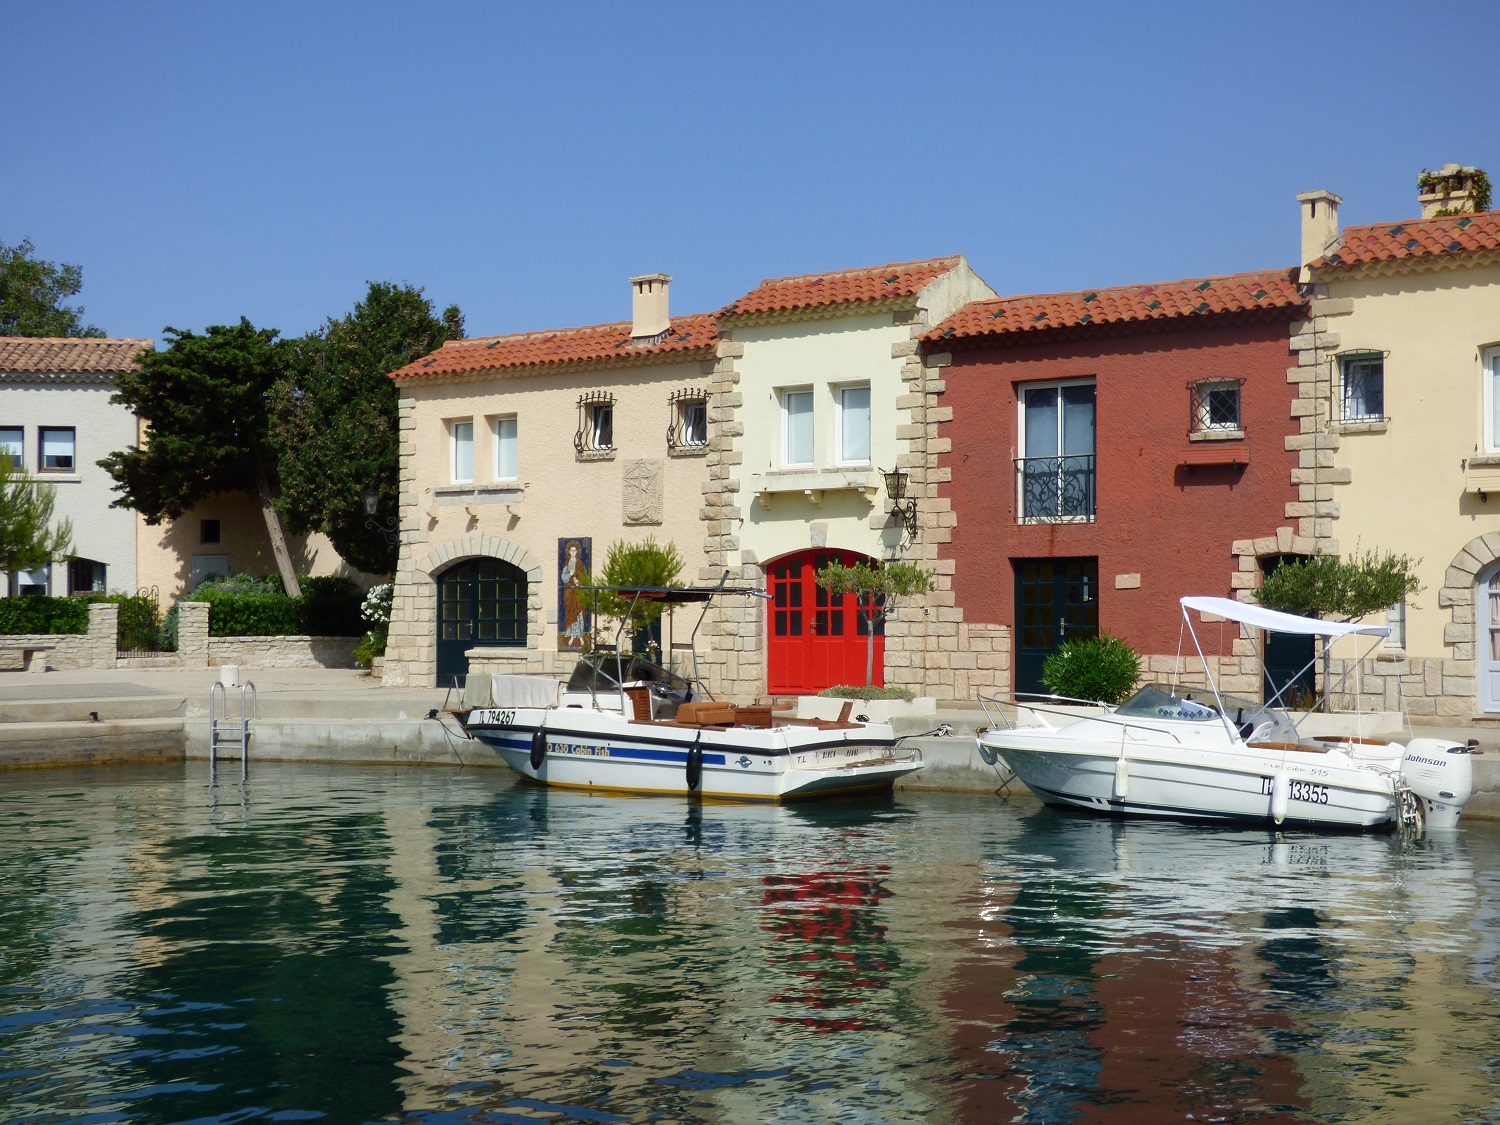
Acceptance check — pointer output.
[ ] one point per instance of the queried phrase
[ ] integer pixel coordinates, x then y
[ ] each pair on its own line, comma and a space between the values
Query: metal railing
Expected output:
1056, 489
229, 733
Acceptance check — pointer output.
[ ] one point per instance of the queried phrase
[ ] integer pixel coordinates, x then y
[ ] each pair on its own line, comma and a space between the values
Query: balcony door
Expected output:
1057, 452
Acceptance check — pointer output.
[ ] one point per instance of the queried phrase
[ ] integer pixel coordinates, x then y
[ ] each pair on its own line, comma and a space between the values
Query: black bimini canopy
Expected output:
674, 595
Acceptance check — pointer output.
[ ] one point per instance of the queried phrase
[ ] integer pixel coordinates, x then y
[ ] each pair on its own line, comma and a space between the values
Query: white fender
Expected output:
1442, 774
1281, 794
1122, 778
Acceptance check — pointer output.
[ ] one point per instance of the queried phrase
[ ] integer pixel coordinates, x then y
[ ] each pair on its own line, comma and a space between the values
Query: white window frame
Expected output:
839, 392
698, 406
19, 457
41, 449
1489, 374
1345, 361
1022, 454
1395, 620
498, 440
454, 444
783, 396
598, 440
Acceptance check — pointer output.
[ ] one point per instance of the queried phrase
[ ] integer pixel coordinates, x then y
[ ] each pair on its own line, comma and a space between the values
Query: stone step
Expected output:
90, 743
375, 705
165, 660
78, 710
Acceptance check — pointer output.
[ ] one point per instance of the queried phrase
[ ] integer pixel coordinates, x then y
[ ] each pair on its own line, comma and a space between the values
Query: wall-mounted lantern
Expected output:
389, 529
895, 490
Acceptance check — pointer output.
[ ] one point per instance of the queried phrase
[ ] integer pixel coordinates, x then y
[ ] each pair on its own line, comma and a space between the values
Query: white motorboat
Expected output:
1172, 751
626, 723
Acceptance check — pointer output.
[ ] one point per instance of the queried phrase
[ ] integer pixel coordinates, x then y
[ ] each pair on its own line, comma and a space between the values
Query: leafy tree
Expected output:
333, 418
877, 590
205, 401
31, 294
647, 563
27, 538
1328, 586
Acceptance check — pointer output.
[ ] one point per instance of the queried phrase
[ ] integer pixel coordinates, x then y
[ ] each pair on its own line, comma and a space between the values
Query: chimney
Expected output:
1320, 223
648, 308
1452, 190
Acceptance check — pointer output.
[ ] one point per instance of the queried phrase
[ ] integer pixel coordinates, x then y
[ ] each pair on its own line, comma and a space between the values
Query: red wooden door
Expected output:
816, 641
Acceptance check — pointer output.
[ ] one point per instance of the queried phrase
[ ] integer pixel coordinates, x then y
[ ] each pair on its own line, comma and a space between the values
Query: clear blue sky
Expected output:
207, 161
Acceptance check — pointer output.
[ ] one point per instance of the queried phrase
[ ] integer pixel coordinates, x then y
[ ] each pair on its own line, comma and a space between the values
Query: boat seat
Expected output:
1297, 746
640, 703
706, 713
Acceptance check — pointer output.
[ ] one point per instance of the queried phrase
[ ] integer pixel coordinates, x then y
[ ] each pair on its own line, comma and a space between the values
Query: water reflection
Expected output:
373, 945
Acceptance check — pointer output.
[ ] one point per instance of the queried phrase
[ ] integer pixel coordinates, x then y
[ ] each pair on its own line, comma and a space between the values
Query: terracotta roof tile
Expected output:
1416, 238
815, 290
598, 344
1162, 301
66, 355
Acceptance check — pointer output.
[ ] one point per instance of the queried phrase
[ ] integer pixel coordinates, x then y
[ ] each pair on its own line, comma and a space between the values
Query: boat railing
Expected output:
1032, 702
1056, 705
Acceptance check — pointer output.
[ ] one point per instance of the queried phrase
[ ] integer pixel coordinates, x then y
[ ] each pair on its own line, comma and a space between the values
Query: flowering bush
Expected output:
376, 609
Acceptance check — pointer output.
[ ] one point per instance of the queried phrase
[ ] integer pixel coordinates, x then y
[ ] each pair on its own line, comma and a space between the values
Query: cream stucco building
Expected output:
820, 387
523, 458
1399, 374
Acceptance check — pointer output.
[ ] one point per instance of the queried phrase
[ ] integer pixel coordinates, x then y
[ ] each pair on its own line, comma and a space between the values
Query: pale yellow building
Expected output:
523, 458
1399, 377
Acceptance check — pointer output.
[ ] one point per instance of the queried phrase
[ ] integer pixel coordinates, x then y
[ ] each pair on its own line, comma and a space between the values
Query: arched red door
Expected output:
816, 641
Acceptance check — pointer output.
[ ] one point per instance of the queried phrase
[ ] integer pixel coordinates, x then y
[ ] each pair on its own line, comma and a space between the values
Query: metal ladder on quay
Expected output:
227, 733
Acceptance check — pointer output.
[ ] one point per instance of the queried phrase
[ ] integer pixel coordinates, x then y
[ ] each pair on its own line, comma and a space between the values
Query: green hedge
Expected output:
328, 607
36, 614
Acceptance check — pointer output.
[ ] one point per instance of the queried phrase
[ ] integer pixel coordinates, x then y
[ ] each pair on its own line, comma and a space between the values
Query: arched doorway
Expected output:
1487, 638
816, 641
481, 602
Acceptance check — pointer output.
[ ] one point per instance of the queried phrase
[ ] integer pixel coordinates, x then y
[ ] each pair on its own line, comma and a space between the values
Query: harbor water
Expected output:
346, 944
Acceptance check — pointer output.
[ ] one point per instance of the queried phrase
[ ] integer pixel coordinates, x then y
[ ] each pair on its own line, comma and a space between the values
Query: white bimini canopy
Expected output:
1276, 621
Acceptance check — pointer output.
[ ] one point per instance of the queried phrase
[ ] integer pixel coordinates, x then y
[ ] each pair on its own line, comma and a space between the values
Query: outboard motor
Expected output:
1441, 774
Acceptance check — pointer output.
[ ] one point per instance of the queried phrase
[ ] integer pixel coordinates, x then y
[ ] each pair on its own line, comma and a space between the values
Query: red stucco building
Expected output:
1111, 451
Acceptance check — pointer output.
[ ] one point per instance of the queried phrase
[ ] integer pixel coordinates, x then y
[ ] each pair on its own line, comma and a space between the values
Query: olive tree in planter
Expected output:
877, 590
1340, 589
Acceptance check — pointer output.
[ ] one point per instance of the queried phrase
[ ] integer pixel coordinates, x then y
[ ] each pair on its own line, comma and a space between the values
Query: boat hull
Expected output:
597, 750
1203, 784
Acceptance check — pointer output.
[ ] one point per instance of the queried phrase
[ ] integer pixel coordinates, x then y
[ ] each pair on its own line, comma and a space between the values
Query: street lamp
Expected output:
389, 528
895, 490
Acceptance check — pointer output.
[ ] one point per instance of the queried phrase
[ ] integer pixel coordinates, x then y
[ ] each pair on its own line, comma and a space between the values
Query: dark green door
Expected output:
481, 602
1288, 664
1057, 600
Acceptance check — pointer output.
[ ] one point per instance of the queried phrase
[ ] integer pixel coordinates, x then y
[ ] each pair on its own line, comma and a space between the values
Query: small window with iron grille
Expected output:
1363, 397
596, 424
687, 432
1216, 406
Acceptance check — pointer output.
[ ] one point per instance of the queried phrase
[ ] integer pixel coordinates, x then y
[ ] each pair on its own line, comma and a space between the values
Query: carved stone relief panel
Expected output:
642, 491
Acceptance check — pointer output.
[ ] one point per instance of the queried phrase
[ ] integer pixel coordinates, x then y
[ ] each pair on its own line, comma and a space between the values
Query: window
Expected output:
596, 423
85, 576
1491, 360
32, 582
797, 428
463, 451
1216, 406
13, 445
208, 531
854, 424
56, 449
1364, 387
507, 448
688, 428
1055, 472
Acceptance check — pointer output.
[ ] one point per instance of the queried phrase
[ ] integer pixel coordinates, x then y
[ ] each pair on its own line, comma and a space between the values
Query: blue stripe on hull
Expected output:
633, 753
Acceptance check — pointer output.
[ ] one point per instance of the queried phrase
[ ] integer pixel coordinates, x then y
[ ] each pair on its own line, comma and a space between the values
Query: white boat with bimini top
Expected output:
625, 723
1172, 751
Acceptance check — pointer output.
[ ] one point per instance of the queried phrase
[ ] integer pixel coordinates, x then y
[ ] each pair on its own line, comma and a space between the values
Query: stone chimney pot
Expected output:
648, 307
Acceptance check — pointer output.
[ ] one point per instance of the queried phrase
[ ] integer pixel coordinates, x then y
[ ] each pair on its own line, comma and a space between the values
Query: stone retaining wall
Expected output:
1427, 688
283, 652
94, 649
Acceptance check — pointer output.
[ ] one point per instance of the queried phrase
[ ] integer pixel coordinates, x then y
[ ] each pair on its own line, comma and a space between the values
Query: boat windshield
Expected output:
1157, 701
596, 671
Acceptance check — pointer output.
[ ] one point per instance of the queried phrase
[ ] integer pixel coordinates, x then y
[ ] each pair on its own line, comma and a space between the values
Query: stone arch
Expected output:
1457, 592
411, 655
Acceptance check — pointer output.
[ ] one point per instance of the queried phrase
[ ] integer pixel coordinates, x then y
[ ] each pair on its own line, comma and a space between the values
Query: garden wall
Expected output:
93, 649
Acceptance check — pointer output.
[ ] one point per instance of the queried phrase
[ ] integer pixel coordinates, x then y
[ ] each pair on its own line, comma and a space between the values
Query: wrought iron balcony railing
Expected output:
1056, 489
